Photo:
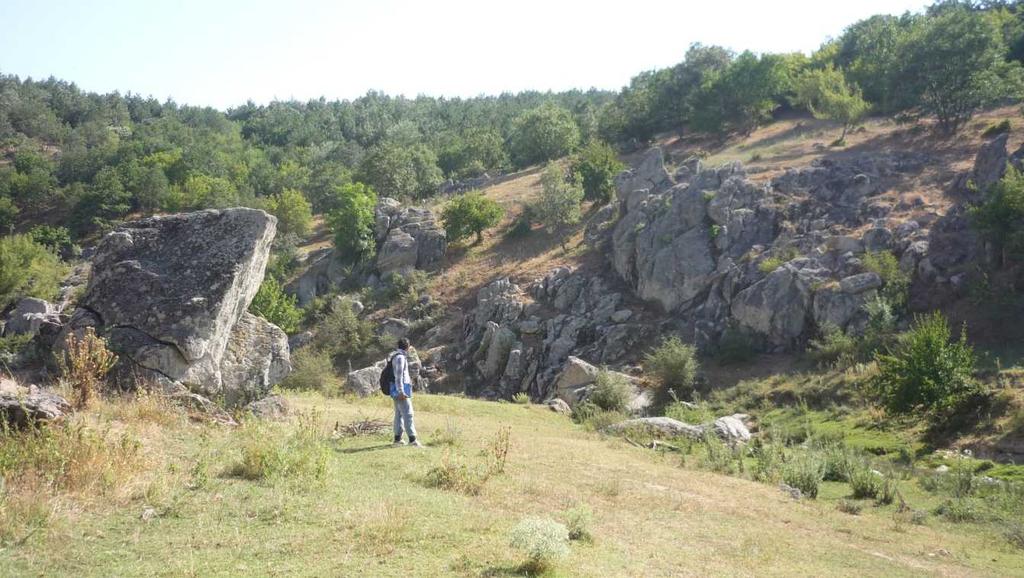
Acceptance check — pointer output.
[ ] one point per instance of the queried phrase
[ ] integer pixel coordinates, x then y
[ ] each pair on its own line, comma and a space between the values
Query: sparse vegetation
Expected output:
276, 306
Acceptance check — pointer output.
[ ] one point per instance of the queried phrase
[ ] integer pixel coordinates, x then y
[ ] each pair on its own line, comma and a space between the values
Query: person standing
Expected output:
401, 393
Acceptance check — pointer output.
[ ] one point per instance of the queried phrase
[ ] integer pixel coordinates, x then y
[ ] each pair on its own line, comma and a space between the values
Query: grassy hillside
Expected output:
306, 503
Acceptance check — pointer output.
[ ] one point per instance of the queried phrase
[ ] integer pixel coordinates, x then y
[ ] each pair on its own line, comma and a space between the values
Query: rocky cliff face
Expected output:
715, 251
694, 243
170, 294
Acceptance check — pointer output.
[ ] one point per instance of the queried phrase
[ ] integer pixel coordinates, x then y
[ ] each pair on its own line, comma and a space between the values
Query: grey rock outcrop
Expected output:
730, 429
272, 407
34, 408
364, 382
407, 238
29, 315
170, 294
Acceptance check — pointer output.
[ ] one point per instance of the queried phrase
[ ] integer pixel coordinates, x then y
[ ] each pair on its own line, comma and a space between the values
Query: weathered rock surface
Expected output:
272, 407
366, 381
29, 315
170, 294
730, 429
407, 238
34, 408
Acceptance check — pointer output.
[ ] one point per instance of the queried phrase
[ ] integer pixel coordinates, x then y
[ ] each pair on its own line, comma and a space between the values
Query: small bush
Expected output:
84, 364
674, 366
849, 507
719, 457
344, 335
599, 420
834, 348
958, 510
451, 435
597, 165
1015, 534
271, 455
612, 392
927, 370
736, 346
773, 262
276, 306
544, 541
455, 475
692, 413
805, 472
294, 213
578, 521
1000, 218
895, 283
864, 483
768, 461
28, 269
312, 370
521, 398
497, 451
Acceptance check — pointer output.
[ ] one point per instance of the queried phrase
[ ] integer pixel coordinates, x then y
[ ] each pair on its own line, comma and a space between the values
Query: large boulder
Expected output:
575, 375
775, 307
407, 238
29, 315
170, 294
20, 411
366, 381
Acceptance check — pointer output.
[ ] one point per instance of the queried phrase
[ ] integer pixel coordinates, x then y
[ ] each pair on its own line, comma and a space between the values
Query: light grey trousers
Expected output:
403, 416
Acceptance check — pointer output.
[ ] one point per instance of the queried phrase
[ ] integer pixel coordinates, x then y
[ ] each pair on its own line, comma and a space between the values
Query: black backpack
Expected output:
387, 377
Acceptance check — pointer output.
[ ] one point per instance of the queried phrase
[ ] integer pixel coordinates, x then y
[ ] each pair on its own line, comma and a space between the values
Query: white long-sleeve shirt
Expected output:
400, 364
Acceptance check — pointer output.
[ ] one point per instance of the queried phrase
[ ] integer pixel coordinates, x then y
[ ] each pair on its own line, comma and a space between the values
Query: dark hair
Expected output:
403, 344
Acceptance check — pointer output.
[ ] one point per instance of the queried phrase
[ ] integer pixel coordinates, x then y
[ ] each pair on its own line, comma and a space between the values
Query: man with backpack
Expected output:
395, 379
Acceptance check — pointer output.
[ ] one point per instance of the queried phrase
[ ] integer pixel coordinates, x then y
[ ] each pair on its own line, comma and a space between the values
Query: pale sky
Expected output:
222, 53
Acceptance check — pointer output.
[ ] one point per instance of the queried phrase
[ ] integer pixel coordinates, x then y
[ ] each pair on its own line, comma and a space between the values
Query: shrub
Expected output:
352, 222
558, 207
455, 475
470, 214
312, 370
1001, 217
522, 398
294, 213
84, 363
735, 346
578, 521
544, 542
849, 507
864, 483
674, 365
719, 457
343, 335
834, 348
57, 239
27, 269
612, 391
926, 370
805, 472
597, 165
692, 413
895, 283
269, 454
276, 306
776, 260
768, 461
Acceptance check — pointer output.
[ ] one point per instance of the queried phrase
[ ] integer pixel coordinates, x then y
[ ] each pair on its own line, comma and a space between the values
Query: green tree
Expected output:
545, 133
400, 171
742, 96
276, 306
558, 207
294, 213
8, 214
27, 269
468, 214
825, 93
352, 222
869, 54
954, 64
927, 370
597, 165
1000, 219
102, 202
